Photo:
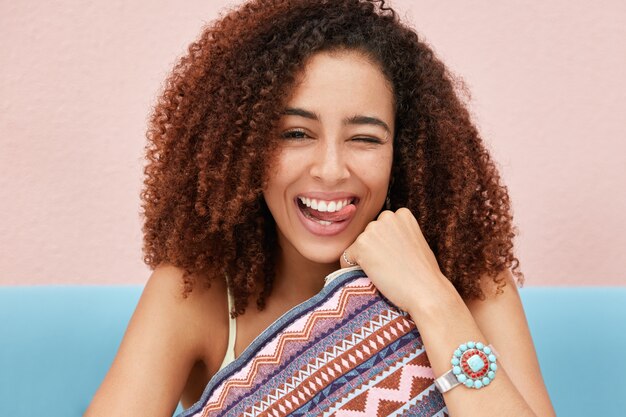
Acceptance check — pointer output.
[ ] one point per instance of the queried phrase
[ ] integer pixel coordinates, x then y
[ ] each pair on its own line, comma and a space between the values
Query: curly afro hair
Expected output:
212, 136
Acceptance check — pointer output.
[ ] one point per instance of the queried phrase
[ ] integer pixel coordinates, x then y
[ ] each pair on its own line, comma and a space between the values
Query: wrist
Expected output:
430, 310
444, 323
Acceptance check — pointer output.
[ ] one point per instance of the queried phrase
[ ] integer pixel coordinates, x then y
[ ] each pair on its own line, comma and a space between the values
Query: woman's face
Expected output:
332, 171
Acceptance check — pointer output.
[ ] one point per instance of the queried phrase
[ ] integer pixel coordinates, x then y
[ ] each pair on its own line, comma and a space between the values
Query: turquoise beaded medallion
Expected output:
474, 364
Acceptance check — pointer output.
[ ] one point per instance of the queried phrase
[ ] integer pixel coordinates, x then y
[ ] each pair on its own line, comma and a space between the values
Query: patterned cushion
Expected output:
345, 352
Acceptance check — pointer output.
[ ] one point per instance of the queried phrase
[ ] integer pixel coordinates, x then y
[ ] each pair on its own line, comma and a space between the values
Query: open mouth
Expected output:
327, 213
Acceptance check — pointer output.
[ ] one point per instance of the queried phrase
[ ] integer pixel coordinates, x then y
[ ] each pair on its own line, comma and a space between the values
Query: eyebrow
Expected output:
354, 120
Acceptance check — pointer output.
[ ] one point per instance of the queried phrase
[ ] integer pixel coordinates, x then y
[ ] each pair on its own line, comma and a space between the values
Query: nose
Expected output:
329, 162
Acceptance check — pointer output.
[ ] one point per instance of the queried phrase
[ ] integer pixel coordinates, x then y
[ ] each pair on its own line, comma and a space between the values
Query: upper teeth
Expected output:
325, 206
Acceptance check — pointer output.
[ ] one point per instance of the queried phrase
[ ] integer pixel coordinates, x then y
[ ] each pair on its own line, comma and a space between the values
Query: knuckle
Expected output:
403, 211
368, 229
406, 214
385, 215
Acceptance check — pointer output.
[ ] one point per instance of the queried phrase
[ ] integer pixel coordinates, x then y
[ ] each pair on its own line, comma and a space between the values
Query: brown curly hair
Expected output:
212, 136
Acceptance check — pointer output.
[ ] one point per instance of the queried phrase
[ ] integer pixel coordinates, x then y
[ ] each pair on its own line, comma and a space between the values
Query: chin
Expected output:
324, 255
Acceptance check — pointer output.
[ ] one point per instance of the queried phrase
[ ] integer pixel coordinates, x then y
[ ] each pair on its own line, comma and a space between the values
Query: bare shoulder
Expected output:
501, 318
164, 339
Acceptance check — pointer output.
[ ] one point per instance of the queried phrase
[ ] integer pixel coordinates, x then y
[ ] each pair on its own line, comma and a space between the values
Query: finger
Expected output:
385, 214
409, 219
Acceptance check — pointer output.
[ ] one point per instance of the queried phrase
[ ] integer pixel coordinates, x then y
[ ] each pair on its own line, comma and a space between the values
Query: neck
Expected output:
298, 278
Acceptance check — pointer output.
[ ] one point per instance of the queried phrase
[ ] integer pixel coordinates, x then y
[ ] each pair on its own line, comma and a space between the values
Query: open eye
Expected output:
295, 134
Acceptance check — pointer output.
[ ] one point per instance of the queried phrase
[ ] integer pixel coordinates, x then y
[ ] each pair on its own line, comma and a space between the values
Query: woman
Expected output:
295, 138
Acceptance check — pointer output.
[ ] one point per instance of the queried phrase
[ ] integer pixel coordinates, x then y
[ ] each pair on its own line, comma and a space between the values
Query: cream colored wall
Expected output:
78, 78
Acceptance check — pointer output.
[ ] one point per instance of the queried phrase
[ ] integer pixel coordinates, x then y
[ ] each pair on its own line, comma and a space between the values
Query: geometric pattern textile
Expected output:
345, 352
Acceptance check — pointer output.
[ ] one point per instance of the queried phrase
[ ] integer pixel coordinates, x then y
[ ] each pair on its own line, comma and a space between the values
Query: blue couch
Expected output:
57, 342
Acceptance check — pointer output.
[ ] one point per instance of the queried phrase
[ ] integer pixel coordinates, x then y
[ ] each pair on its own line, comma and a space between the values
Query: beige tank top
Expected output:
232, 334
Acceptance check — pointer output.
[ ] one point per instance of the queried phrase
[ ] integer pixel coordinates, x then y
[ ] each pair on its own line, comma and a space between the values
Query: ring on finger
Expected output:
349, 262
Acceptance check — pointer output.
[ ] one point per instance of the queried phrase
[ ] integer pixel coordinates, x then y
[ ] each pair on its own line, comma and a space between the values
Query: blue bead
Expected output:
456, 370
469, 383
491, 374
479, 346
471, 345
455, 361
492, 358
475, 363
493, 366
457, 353
486, 381
463, 347
461, 378
487, 350
478, 384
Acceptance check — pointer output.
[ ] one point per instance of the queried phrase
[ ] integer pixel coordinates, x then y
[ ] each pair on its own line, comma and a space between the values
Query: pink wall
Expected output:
78, 79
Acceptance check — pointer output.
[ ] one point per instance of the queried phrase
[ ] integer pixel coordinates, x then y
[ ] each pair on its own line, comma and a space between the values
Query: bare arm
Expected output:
397, 258
518, 389
502, 320
156, 354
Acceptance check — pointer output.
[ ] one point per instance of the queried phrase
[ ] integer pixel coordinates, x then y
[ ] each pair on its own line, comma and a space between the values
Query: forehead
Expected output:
343, 83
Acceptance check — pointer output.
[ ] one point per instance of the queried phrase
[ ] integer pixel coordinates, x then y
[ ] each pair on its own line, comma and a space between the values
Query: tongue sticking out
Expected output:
336, 216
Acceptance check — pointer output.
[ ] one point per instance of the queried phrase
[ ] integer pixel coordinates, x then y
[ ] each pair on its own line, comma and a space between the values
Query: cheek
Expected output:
377, 170
272, 190
278, 179
285, 169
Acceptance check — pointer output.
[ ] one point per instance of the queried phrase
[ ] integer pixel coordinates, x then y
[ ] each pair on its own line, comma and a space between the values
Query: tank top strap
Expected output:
232, 333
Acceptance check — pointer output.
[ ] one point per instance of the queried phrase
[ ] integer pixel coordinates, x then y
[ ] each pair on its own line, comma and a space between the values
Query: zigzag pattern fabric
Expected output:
346, 352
